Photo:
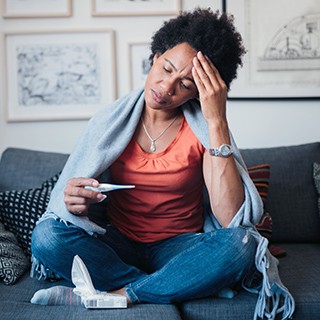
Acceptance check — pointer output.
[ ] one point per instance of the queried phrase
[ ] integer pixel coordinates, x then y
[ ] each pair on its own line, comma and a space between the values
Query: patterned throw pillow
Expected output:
260, 176
316, 178
13, 262
20, 210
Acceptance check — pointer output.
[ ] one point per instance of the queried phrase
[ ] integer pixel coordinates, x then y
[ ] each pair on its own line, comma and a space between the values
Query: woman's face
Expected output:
170, 82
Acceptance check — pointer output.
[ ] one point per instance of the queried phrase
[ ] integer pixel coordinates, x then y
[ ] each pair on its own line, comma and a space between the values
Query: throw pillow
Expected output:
20, 210
260, 176
316, 178
13, 262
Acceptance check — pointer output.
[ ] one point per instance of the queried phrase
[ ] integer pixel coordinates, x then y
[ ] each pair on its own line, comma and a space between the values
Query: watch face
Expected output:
225, 150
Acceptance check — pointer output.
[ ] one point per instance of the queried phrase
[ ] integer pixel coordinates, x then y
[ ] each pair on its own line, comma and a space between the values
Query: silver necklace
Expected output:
153, 141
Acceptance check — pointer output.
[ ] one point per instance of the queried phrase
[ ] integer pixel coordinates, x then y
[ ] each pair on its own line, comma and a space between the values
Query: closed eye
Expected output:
185, 86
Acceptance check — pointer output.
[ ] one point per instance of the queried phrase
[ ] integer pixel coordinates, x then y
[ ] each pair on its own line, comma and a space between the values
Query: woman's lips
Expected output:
158, 97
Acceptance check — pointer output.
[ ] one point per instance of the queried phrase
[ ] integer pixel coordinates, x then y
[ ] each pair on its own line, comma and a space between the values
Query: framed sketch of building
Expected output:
58, 75
135, 7
283, 48
139, 63
36, 8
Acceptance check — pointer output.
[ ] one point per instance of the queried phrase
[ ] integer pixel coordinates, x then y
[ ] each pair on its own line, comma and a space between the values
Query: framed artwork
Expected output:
36, 8
135, 7
139, 63
58, 75
283, 48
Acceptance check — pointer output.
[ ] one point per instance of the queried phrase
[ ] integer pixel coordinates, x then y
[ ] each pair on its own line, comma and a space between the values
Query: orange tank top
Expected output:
167, 199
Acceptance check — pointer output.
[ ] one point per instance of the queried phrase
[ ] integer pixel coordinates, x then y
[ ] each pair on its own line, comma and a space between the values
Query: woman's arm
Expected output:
221, 175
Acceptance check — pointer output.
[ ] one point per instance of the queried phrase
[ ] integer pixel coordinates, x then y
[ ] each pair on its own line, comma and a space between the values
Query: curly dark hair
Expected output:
204, 30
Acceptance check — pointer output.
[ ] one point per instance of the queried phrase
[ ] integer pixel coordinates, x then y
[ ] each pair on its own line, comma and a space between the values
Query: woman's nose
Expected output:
168, 87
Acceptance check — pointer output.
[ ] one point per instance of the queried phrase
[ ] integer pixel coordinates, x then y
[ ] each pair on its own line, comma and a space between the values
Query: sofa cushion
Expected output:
15, 304
20, 210
22, 169
13, 262
292, 197
299, 272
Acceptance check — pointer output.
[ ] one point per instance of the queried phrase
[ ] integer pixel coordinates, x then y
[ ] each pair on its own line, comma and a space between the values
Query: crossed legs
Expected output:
187, 266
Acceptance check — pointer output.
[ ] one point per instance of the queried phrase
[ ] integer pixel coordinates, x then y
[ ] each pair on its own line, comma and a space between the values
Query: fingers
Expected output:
211, 87
206, 75
77, 198
203, 73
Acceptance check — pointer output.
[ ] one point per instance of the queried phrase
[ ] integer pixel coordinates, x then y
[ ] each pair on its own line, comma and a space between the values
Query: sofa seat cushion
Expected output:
241, 307
15, 304
299, 272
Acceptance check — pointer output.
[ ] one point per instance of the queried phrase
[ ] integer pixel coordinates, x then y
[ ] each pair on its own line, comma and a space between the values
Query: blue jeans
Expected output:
187, 266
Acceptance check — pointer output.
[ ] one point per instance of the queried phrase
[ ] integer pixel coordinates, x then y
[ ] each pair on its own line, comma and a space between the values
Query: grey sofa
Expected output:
292, 202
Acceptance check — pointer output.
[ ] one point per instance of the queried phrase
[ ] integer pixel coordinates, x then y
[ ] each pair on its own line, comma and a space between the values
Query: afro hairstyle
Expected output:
210, 32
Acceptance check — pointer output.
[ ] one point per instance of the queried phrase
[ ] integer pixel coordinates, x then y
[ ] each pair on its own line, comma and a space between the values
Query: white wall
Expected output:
254, 123
274, 123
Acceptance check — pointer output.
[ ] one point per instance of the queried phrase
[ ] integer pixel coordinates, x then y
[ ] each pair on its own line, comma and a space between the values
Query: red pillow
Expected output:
260, 176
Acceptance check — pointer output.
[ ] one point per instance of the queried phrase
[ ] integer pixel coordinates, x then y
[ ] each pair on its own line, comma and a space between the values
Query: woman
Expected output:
160, 242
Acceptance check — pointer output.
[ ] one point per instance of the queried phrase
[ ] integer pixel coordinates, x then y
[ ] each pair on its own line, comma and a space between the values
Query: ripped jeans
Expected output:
187, 266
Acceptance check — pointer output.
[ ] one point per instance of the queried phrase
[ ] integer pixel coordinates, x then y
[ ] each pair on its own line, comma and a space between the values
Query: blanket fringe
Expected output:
39, 271
274, 298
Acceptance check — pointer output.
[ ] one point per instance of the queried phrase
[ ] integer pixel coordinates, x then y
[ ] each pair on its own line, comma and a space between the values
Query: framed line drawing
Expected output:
36, 8
139, 64
283, 48
58, 75
135, 7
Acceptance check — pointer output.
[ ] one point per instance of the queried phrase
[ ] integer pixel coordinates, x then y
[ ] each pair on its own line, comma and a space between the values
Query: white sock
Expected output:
58, 295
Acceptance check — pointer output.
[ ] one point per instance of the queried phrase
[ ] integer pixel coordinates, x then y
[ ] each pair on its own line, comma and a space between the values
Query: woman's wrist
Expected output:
218, 132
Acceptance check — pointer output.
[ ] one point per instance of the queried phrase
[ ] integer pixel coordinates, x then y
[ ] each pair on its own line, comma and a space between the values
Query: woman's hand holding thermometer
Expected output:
80, 193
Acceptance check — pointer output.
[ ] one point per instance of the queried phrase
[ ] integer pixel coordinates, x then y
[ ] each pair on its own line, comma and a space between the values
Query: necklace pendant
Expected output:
153, 141
153, 146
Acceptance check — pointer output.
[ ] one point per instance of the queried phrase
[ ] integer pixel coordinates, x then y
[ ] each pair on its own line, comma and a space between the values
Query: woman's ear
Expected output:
155, 57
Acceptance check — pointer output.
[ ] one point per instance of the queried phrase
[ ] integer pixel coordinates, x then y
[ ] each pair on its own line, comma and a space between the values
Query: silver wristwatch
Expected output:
225, 151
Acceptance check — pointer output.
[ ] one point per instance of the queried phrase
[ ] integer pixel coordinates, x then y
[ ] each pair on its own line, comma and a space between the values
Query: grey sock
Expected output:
58, 295
227, 293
